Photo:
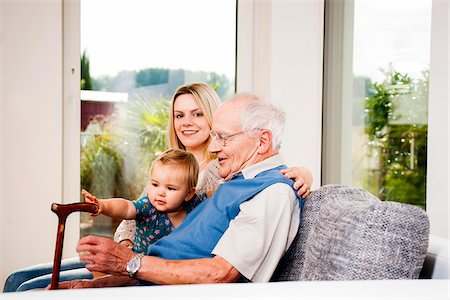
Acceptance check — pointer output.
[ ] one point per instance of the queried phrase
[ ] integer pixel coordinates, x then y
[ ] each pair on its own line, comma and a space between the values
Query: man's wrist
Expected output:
134, 264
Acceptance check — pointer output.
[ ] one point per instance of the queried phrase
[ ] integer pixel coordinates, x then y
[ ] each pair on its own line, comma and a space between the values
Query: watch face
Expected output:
134, 264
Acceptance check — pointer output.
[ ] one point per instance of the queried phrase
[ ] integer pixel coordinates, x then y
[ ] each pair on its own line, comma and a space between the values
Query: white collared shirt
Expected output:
263, 230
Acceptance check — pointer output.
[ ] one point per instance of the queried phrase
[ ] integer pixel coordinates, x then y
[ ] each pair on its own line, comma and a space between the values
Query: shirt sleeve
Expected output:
143, 207
126, 228
125, 231
261, 233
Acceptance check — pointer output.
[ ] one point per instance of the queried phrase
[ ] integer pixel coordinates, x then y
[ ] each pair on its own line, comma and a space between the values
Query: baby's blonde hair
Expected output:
185, 162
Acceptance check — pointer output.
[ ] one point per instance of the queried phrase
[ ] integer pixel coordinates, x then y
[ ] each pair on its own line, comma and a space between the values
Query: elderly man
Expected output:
242, 231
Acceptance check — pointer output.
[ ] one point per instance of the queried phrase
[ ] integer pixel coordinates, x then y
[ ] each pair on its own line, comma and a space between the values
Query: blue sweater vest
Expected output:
199, 233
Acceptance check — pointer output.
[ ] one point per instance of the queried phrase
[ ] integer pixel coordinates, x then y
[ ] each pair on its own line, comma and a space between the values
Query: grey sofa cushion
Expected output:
349, 234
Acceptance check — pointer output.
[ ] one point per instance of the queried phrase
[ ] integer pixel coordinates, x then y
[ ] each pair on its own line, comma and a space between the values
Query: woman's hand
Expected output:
89, 198
302, 177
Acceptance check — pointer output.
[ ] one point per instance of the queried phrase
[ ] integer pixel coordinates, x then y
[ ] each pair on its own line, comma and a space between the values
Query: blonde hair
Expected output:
186, 164
208, 101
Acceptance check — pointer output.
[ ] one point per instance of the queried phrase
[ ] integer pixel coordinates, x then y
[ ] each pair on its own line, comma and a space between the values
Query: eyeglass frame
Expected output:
222, 140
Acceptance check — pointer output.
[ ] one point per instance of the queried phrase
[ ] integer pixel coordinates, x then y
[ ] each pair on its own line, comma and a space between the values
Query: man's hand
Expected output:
105, 281
302, 177
76, 284
104, 255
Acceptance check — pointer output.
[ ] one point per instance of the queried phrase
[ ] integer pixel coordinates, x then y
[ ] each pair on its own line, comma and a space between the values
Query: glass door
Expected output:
376, 96
134, 54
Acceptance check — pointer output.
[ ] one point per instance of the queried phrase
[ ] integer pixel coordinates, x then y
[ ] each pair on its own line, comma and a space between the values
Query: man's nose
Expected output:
214, 146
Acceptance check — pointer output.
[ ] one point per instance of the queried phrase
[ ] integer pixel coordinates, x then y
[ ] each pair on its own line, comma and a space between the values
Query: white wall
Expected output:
2, 139
31, 122
438, 196
280, 58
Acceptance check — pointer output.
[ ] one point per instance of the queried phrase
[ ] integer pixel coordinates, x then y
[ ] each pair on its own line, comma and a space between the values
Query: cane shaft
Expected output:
58, 253
63, 211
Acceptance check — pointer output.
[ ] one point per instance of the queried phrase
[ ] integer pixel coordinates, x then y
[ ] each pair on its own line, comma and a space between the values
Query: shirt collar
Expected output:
267, 164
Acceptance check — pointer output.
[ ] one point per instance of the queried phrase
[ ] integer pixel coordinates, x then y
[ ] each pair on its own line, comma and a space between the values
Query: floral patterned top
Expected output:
209, 180
151, 224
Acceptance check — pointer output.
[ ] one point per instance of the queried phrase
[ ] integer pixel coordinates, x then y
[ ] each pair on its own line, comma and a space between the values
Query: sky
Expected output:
397, 31
197, 35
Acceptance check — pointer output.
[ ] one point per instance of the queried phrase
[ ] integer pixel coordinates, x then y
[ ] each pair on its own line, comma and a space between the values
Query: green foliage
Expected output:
220, 83
152, 76
116, 153
102, 83
378, 106
140, 125
130, 81
397, 141
86, 81
100, 160
405, 164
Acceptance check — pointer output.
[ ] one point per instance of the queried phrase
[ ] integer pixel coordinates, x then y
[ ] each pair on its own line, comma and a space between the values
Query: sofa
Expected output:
346, 233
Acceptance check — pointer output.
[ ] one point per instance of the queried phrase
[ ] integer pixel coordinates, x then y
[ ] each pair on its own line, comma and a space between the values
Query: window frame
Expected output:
249, 77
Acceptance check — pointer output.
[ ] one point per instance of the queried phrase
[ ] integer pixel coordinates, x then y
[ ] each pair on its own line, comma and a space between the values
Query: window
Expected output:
376, 97
134, 54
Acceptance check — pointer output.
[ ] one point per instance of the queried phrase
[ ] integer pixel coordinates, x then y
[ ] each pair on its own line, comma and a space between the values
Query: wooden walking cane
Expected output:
62, 211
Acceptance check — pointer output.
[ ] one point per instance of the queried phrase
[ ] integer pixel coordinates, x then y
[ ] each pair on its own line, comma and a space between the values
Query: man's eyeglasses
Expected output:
222, 140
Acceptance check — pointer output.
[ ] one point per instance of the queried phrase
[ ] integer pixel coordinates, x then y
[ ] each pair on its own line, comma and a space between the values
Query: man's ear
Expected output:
190, 194
265, 141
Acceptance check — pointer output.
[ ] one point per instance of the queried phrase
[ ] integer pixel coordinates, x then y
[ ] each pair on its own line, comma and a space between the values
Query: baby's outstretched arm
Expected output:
114, 207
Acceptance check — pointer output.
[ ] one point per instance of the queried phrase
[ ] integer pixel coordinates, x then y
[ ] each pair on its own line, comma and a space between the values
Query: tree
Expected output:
152, 76
86, 81
397, 137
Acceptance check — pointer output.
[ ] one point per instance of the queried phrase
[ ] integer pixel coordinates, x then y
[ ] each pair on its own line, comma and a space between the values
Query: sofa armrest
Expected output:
436, 265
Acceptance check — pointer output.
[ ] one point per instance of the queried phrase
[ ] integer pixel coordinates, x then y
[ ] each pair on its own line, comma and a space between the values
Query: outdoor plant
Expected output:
140, 126
100, 166
116, 153
100, 159
397, 137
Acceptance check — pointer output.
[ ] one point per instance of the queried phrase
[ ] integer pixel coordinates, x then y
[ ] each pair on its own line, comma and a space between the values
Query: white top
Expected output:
263, 230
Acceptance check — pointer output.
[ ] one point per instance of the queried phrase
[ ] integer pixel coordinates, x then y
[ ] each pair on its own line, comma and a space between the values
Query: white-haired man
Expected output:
242, 231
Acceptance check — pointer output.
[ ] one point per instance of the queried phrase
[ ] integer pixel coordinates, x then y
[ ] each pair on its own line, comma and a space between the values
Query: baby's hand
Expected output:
127, 243
89, 198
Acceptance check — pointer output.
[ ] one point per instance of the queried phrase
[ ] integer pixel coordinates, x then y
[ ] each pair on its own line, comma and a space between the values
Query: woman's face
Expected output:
190, 124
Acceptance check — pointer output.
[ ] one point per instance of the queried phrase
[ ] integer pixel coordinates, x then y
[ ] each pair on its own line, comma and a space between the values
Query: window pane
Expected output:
391, 55
134, 55
377, 56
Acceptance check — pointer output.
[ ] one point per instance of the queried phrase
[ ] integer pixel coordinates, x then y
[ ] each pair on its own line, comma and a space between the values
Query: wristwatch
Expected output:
134, 264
